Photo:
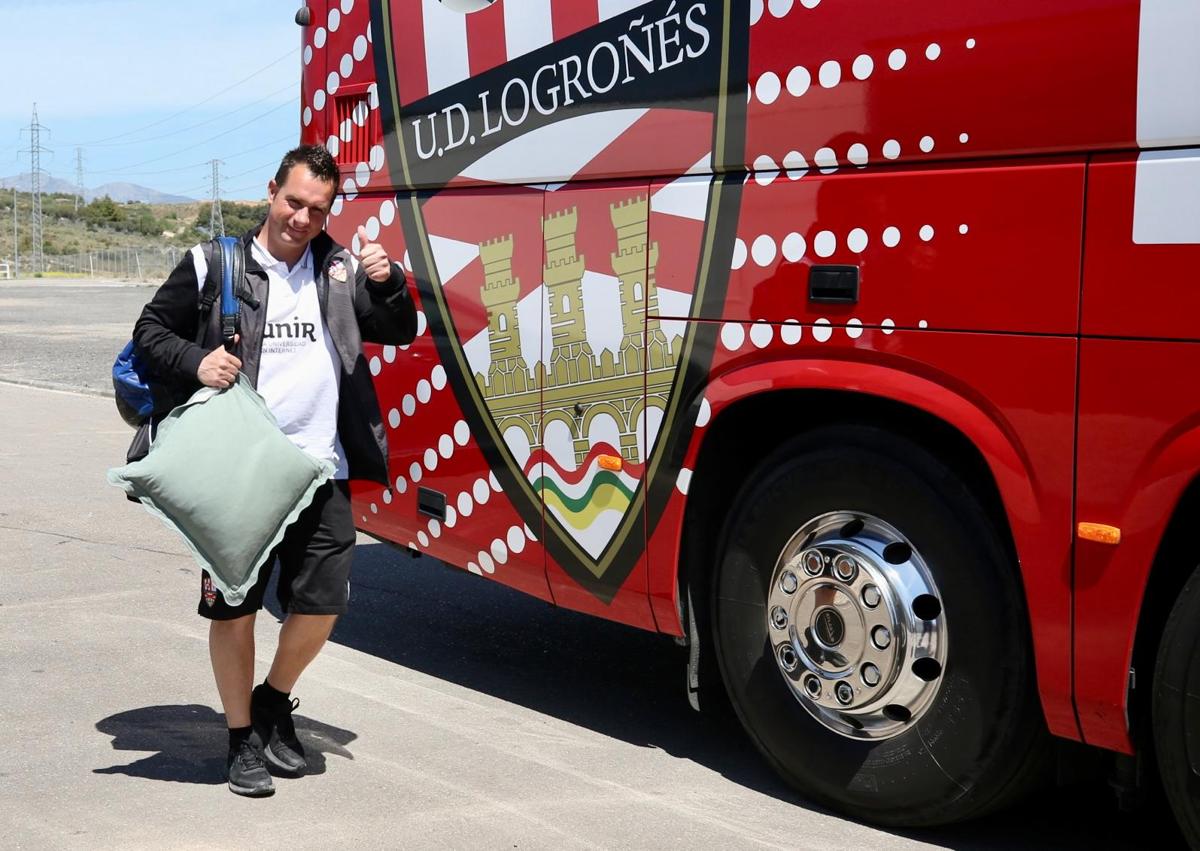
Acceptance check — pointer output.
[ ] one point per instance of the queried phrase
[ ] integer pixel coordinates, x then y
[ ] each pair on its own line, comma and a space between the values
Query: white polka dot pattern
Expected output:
798, 81
829, 73
767, 88
794, 247
764, 250
732, 335
512, 542
345, 67
762, 335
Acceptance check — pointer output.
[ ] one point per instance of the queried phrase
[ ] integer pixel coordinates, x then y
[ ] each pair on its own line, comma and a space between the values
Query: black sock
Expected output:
273, 694
237, 735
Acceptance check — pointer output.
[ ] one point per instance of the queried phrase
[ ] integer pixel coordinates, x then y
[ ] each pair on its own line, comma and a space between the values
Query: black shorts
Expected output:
314, 558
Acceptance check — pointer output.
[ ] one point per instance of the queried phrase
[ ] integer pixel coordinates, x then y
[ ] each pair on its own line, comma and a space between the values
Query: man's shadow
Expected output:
187, 743
626, 683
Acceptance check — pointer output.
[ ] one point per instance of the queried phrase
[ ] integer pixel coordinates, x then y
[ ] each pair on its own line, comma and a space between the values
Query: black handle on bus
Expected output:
833, 284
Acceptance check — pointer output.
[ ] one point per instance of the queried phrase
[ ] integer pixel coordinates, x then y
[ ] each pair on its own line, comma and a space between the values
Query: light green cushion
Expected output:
223, 476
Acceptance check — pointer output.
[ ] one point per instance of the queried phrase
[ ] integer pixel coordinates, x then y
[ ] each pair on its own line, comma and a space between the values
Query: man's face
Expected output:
298, 210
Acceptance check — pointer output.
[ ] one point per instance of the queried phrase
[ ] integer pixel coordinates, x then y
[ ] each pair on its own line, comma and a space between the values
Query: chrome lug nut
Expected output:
788, 582
870, 675
844, 568
814, 562
881, 637
844, 693
779, 618
812, 686
871, 596
787, 657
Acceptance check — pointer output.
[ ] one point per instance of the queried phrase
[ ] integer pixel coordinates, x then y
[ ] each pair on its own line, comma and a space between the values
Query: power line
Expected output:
210, 139
270, 164
245, 188
208, 99
290, 137
224, 116
258, 168
258, 185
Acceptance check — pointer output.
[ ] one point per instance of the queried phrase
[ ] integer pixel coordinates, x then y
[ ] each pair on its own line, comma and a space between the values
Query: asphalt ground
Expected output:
446, 711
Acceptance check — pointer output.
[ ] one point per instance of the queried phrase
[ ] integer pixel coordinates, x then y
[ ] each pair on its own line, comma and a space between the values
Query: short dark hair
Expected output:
313, 157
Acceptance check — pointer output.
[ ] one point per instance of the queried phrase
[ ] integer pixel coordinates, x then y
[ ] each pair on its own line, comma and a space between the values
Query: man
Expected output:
307, 305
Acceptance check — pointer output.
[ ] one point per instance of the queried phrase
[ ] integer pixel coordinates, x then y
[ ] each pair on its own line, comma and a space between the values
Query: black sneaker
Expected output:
272, 720
247, 772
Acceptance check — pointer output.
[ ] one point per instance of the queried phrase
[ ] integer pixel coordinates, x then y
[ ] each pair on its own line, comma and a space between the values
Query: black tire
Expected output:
982, 741
1176, 710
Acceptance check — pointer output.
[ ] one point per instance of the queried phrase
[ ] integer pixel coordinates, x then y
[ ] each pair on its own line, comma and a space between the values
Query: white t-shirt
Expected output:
299, 372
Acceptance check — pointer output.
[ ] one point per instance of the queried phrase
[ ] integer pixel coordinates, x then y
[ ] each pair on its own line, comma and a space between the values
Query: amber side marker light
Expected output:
609, 462
1099, 533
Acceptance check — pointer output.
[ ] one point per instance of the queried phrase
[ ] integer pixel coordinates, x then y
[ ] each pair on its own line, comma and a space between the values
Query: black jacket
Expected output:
354, 311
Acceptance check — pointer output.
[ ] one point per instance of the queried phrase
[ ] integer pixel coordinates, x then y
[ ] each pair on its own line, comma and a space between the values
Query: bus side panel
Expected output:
1023, 430
938, 248
1139, 421
991, 248
430, 442
941, 79
834, 84
1139, 448
338, 61
599, 276
1143, 246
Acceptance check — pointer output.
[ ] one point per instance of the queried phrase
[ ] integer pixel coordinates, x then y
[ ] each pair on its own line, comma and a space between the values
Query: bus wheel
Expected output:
871, 632
1176, 710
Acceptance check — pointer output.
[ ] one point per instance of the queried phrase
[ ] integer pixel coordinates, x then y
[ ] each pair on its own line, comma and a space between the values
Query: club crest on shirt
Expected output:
337, 271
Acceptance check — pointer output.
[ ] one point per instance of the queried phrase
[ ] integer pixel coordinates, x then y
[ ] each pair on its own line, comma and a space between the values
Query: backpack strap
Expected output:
208, 292
232, 265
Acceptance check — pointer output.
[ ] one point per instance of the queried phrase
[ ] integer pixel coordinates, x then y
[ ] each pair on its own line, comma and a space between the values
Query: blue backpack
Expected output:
138, 395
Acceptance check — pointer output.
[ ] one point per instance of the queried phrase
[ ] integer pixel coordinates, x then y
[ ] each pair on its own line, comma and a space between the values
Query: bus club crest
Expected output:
560, 311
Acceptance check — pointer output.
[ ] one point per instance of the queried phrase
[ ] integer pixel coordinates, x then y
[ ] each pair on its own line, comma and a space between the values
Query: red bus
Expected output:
809, 333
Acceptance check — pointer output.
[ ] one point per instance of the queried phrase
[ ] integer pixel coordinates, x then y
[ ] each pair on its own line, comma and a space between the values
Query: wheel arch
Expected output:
724, 459
957, 430
1176, 558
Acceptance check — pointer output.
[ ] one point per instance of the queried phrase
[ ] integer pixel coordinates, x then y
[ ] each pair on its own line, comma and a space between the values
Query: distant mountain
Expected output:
124, 192
24, 183
119, 192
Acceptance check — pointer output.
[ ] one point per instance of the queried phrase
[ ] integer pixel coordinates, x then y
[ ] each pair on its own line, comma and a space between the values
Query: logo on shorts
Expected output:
210, 593
337, 271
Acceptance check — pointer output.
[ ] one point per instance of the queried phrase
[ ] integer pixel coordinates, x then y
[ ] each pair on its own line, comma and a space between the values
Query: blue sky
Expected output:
128, 80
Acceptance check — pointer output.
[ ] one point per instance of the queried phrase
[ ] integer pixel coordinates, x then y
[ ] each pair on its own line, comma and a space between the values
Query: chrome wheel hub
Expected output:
856, 625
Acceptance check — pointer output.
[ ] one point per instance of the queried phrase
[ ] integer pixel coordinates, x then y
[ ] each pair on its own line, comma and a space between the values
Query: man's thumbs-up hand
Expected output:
373, 258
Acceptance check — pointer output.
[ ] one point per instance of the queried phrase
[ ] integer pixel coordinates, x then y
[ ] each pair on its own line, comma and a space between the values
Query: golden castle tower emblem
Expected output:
573, 385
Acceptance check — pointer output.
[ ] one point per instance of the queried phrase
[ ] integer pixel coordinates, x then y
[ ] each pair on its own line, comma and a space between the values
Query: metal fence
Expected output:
133, 264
